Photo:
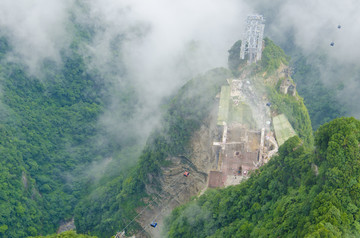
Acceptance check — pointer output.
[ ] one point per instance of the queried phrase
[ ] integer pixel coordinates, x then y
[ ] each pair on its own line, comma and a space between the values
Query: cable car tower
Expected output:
251, 44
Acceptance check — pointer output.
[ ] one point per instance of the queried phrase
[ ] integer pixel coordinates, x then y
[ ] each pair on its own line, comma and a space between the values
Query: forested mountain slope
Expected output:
66, 234
112, 206
50, 137
40, 124
320, 99
57, 161
299, 193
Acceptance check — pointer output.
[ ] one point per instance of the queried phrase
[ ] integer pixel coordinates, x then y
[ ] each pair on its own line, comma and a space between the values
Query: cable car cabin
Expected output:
186, 173
153, 224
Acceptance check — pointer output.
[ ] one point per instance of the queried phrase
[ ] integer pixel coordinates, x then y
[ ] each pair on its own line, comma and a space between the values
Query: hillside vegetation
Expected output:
295, 111
51, 137
320, 100
49, 127
40, 123
310, 189
272, 56
111, 207
299, 193
66, 234
292, 106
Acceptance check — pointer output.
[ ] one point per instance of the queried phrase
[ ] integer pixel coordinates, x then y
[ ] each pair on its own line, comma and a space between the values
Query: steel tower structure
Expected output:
251, 44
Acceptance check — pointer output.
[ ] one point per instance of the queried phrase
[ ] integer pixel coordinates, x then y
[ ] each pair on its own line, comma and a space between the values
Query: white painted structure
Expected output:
251, 44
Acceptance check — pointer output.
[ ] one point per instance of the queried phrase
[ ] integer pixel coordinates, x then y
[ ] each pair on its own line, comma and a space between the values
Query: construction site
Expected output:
241, 134
251, 134
247, 140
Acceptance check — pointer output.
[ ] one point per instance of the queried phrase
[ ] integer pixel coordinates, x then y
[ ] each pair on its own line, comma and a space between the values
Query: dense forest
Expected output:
42, 124
65, 234
50, 134
300, 193
320, 99
54, 118
59, 160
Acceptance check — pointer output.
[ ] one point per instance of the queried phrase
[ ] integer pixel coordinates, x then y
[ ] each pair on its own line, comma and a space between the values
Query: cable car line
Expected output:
164, 208
153, 201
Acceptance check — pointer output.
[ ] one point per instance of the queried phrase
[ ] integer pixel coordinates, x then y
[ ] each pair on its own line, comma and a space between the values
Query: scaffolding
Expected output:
251, 45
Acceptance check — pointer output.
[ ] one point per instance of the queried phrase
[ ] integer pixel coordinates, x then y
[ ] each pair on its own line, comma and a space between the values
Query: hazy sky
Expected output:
315, 26
37, 29
40, 28
167, 42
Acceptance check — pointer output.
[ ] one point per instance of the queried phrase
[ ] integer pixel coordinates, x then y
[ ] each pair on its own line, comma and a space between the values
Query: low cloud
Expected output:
315, 27
36, 29
157, 46
311, 26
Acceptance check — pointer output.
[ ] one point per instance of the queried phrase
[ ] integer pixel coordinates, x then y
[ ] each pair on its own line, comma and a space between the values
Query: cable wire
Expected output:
152, 200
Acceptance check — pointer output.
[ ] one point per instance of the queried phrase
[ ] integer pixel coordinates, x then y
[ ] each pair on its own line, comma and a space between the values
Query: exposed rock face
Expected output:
249, 142
66, 226
288, 87
177, 189
202, 152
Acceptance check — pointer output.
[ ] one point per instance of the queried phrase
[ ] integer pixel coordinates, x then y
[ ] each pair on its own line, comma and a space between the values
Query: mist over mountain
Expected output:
90, 91
160, 40
308, 28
